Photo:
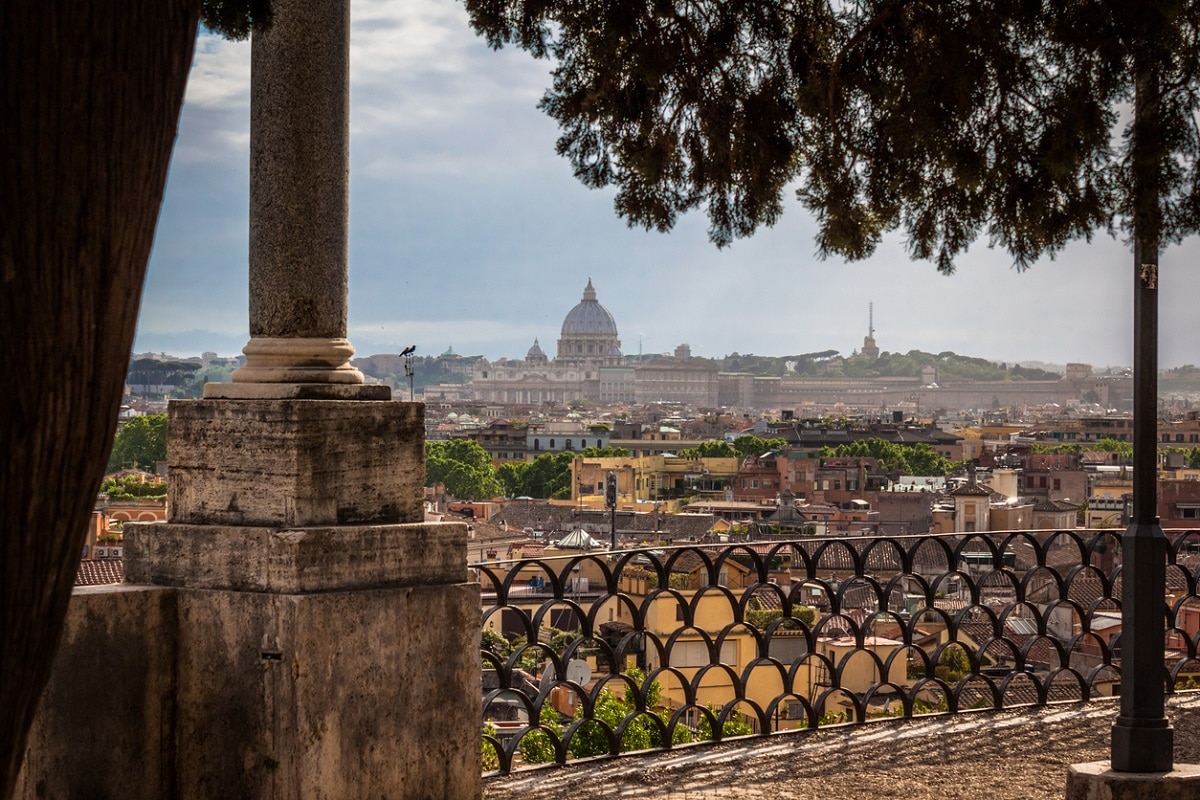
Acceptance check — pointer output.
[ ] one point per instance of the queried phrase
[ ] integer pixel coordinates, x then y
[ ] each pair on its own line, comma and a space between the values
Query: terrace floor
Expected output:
1007, 755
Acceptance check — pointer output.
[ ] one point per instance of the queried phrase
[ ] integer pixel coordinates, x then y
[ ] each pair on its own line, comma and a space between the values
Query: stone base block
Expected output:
295, 560
1097, 781
337, 695
285, 463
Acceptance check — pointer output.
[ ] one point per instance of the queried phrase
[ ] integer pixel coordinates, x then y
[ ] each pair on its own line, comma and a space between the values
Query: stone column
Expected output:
299, 198
328, 637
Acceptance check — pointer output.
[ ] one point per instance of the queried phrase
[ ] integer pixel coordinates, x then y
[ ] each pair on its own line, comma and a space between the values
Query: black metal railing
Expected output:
599, 653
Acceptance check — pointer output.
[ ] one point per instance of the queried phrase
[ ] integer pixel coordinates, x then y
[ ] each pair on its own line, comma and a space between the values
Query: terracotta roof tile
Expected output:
100, 572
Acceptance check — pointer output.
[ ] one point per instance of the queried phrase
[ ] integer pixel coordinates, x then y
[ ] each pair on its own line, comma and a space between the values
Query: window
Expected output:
567, 445
1041, 480
551, 444
1179, 437
537, 444
1057, 484
695, 654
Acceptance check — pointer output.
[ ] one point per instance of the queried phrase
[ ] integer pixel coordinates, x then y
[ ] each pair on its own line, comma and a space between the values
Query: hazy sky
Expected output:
467, 230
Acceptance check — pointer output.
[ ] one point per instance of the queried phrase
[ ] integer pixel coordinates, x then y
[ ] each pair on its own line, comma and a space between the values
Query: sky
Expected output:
466, 230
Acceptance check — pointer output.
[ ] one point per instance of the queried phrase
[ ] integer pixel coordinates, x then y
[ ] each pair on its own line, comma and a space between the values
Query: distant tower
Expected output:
869, 349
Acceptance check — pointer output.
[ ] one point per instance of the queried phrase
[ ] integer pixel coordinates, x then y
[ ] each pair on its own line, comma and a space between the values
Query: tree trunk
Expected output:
89, 104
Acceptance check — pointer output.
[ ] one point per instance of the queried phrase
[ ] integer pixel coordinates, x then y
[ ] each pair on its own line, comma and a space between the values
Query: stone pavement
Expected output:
1008, 755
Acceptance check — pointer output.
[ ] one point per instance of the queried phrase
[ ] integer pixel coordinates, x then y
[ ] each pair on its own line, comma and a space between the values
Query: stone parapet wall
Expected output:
208, 695
107, 720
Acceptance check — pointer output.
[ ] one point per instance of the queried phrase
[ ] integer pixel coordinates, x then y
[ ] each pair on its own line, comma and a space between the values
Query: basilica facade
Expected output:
587, 345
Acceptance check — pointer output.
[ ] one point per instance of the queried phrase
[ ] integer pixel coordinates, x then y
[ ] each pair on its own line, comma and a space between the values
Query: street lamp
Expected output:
610, 500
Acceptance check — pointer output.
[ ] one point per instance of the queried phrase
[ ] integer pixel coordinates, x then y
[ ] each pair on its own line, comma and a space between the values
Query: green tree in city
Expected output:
549, 476
733, 726
756, 446
511, 475
1124, 450
910, 459
463, 467
605, 452
140, 444
923, 460
713, 449
590, 739
132, 487
536, 747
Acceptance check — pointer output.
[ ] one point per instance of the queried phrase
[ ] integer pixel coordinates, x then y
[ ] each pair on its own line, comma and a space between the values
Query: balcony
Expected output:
819, 643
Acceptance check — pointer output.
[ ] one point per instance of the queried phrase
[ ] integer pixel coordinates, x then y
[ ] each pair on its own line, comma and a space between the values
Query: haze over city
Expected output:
467, 230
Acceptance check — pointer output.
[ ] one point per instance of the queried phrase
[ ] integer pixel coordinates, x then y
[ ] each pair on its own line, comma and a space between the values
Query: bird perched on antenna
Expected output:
408, 350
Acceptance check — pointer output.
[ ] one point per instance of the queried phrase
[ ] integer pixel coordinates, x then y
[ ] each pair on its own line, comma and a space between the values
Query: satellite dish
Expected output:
579, 672
548, 677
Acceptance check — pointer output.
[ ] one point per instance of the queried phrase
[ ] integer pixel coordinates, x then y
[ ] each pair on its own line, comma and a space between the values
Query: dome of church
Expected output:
535, 353
589, 317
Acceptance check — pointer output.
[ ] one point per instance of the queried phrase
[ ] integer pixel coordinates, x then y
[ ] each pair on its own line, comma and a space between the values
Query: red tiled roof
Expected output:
100, 572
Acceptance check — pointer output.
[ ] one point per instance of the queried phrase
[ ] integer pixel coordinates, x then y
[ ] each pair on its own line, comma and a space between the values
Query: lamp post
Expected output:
610, 500
1142, 738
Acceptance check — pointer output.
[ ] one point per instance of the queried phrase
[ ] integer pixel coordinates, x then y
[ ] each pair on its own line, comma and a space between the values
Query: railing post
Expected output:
1142, 738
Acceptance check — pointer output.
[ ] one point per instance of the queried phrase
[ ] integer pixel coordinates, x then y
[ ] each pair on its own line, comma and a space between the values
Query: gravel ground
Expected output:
1007, 755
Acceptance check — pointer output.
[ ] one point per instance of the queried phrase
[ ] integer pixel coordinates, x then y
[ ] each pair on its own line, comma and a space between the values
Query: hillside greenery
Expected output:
830, 364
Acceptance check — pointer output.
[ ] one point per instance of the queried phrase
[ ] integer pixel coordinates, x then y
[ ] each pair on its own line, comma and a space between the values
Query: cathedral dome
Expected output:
535, 354
589, 317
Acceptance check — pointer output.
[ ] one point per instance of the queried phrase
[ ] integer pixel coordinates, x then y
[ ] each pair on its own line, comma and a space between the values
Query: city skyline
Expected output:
467, 230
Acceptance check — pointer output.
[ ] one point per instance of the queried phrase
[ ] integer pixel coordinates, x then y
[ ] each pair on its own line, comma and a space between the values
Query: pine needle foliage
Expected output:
948, 120
235, 19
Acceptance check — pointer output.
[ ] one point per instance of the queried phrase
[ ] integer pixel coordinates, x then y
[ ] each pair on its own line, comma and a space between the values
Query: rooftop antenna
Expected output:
871, 319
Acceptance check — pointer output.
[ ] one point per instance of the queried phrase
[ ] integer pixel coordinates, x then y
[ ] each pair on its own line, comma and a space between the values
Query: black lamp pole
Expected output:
1142, 738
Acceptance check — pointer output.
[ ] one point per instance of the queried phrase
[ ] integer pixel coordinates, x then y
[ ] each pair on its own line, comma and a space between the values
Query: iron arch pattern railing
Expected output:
598, 653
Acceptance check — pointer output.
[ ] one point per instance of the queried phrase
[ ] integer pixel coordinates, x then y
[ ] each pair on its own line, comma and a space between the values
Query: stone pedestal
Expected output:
1097, 781
328, 640
295, 462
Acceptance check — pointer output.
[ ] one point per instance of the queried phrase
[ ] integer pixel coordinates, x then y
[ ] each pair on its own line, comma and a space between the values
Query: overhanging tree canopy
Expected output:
951, 121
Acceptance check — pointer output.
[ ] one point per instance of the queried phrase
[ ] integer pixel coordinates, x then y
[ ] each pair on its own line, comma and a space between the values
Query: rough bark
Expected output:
89, 104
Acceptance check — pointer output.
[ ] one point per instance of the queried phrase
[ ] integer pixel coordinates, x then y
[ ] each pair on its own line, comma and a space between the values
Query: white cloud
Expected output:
467, 229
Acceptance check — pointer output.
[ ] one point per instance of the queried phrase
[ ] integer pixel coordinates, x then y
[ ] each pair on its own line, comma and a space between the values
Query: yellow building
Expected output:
649, 478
